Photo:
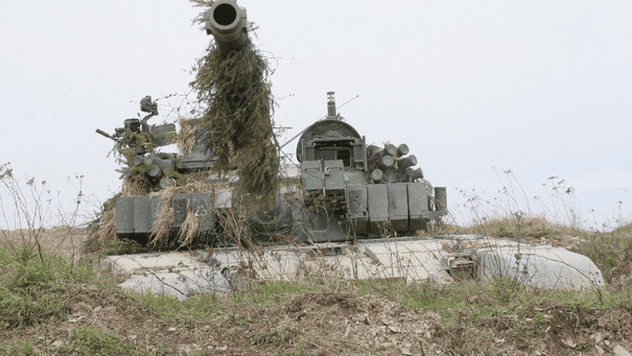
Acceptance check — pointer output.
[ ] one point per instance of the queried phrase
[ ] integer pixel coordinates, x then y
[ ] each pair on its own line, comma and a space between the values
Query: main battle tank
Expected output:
344, 189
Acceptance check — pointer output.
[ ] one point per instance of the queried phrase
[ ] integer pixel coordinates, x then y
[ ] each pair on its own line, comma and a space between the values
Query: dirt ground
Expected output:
327, 323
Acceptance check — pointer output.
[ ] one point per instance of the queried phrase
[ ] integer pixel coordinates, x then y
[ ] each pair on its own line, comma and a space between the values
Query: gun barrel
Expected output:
103, 133
227, 22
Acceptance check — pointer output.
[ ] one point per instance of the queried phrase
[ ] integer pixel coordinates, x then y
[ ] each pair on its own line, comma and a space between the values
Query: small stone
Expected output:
596, 338
600, 351
620, 351
569, 342
98, 308
406, 352
80, 318
81, 308
186, 349
172, 329
386, 345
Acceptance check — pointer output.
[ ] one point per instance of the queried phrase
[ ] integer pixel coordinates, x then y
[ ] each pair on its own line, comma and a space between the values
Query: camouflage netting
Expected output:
237, 96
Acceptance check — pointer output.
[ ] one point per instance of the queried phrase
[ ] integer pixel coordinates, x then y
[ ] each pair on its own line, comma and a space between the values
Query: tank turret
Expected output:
372, 190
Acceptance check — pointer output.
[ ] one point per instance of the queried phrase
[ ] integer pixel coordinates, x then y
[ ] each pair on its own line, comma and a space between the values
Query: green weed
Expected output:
539, 320
92, 340
272, 293
276, 338
32, 285
22, 348
607, 249
164, 306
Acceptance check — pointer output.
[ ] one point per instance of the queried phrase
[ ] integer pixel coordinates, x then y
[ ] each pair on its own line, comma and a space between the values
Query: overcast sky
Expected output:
475, 88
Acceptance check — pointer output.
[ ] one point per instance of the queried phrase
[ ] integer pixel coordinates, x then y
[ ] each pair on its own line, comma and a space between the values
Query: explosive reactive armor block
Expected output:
400, 206
136, 215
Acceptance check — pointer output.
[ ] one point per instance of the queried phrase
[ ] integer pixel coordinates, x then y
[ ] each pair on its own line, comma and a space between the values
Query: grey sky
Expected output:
543, 88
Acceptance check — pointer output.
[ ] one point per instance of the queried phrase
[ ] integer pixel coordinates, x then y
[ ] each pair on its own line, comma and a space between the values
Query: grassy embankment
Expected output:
52, 301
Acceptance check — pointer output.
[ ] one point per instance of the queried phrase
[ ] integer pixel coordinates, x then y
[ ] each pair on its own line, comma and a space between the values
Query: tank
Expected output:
339, 189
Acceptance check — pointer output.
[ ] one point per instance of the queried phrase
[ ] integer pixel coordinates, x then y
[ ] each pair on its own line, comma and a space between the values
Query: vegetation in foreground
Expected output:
52, 305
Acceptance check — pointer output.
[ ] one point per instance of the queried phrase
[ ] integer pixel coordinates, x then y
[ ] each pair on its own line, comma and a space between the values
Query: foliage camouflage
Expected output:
238, 104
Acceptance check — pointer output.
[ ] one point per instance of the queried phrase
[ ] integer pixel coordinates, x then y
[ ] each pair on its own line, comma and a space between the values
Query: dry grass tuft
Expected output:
513, 227
189, 228
132, 187
102, 235
186, 137
204, 185
107, 230
164, 218
195, 184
